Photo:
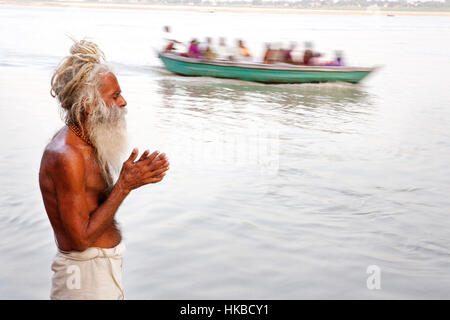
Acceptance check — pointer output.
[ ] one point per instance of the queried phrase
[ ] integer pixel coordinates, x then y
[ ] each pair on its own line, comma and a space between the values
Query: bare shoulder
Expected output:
62, 158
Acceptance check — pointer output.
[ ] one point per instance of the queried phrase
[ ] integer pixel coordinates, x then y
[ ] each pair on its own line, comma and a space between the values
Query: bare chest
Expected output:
95, 182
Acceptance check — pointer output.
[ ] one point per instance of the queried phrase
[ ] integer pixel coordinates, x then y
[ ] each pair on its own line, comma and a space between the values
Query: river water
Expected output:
275, 191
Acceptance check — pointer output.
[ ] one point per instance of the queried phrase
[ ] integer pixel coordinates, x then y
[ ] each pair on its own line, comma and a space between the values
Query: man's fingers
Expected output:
160, 175
133, 155
153, 180
151, 157
144, 155
158, 164
159, 171
155, 173
162, 156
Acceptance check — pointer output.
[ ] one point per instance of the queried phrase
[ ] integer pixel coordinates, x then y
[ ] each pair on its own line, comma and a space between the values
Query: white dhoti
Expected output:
95, 273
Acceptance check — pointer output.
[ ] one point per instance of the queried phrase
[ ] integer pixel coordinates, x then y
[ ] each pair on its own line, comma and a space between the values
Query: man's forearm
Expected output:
102, 217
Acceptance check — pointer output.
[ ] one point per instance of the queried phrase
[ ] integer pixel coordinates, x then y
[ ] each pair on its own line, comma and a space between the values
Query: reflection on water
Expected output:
292, 105
309, 95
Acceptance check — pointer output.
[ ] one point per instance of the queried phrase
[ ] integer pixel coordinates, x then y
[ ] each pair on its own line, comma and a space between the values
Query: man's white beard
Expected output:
106, 127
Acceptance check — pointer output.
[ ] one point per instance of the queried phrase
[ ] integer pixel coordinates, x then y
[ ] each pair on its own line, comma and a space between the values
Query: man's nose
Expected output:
122, 102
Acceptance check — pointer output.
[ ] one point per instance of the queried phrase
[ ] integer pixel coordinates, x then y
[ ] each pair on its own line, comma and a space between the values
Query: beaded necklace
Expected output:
77, 130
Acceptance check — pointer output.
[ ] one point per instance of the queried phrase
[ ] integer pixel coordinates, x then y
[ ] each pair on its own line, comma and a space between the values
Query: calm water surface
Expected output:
353, 176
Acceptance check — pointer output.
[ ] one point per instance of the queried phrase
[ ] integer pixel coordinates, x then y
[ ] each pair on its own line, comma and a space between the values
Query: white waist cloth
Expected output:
95, 273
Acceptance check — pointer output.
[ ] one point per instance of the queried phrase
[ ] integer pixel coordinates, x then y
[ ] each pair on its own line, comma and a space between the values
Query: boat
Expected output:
259, 72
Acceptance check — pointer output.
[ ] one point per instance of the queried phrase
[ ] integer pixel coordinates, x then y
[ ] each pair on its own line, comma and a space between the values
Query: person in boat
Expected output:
273, 54
207, 50
307, 54
337, 62
194, 51
169, 39
223, 52
83, 179
268, 55
202, 47
314, 60
243, 53
287, 53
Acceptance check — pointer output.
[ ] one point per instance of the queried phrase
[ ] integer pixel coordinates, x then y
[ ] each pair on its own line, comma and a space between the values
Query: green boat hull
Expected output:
260, 72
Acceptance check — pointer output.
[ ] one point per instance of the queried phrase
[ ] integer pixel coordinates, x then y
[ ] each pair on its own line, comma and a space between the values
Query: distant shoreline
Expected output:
212, 9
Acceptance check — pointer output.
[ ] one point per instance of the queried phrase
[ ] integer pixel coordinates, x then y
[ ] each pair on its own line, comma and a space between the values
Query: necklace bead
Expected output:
77, 130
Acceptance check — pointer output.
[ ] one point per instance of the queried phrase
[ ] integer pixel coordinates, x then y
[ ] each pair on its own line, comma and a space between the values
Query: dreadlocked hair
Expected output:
75, 82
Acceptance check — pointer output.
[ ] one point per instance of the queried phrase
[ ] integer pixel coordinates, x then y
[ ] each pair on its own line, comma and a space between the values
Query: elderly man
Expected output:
83, 180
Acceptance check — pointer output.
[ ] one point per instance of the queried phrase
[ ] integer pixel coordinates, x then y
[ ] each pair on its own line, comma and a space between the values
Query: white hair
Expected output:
75, 82
76, 85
